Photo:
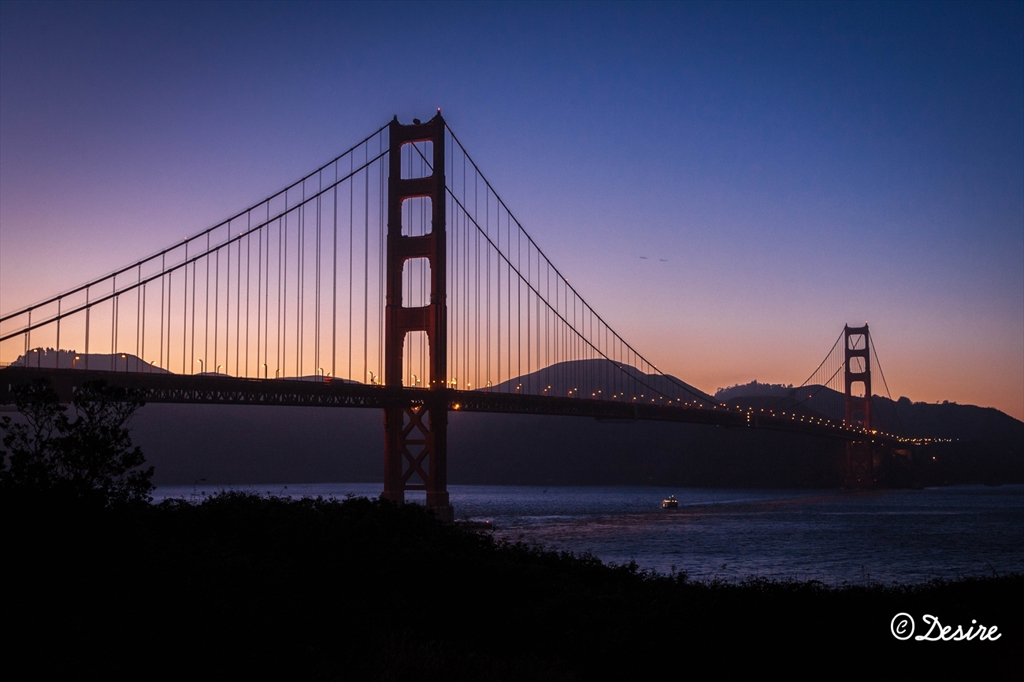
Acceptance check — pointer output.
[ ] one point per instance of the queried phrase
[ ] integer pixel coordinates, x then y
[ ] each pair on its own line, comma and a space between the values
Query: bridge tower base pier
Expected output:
416, 428
860, 466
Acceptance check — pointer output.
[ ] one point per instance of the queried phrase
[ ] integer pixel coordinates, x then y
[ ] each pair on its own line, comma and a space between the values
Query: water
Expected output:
906, 536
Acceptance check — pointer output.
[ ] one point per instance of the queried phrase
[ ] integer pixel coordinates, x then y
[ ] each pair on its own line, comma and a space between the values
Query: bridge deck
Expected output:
226, 390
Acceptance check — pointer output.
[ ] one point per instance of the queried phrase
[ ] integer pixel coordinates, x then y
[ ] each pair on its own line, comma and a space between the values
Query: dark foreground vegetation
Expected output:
360, 589
99, 583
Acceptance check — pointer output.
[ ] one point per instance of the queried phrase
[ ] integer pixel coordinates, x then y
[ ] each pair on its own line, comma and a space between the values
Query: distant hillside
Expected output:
751, 390
69, 359
901, 417
601, 378
987, 445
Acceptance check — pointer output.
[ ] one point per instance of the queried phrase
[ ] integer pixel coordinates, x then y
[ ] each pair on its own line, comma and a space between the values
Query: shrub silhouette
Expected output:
82, 452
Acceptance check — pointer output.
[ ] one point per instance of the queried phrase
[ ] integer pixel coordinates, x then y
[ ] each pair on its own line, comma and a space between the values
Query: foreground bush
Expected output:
247, 586
82, 452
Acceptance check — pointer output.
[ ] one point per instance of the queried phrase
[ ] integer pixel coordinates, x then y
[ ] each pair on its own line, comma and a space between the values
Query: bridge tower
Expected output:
416, 431
860, 455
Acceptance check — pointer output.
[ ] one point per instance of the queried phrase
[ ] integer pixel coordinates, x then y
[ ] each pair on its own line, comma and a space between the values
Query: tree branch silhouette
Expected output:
83, 451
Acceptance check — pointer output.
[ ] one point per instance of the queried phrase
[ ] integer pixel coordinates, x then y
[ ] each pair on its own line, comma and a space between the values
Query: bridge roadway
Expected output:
227, 390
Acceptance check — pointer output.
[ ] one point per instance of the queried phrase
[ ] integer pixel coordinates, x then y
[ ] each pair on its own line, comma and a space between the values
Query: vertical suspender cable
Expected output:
351, 252
334, 279
282, 250
162, 269
381, 246
138, 318
206, 308
259, 295
57, 361
192, 345
238, 308
184, 315
366, 298
238, 299
216, 303
300, 284
143, 349
282, 362
265, 294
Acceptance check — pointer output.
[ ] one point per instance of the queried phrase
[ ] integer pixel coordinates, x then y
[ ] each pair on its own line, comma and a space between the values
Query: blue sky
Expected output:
799, 166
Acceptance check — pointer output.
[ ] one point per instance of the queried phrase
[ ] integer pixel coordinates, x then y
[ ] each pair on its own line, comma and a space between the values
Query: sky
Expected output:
797, 166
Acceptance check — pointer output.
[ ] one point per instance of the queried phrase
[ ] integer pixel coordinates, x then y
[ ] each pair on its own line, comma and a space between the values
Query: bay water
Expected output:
834, 536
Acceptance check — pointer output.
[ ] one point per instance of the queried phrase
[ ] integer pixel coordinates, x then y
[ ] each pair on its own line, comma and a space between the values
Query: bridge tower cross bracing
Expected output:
416, 434
860, 455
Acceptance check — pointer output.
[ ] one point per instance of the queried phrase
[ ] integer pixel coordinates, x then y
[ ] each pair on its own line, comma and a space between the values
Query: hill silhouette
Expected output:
69, 359
901, 417
982, 444
601, 378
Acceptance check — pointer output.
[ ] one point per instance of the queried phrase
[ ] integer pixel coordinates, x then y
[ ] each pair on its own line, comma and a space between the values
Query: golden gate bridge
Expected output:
393, 277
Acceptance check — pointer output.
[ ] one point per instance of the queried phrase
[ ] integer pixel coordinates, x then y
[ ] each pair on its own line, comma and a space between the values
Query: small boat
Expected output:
670, 502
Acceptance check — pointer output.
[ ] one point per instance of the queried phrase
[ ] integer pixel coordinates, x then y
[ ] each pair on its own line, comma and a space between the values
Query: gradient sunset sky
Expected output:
798, 166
